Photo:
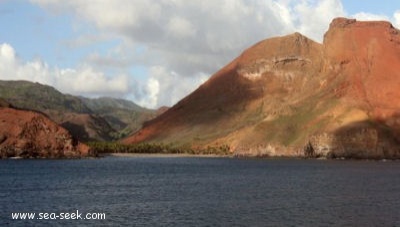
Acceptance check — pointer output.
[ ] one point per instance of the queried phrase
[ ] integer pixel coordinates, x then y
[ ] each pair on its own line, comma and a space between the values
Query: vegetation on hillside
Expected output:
154, 148
35, 96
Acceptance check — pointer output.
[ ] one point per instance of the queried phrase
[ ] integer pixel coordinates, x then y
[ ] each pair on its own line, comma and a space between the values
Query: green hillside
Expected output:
35, 96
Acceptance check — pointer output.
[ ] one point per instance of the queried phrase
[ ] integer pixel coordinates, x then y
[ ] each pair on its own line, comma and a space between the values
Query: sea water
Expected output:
195, 191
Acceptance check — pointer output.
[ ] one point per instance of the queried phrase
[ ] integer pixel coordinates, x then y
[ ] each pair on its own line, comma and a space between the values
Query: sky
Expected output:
153, 52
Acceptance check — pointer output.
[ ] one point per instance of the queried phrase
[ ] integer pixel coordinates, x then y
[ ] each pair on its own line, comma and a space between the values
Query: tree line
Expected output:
155, 148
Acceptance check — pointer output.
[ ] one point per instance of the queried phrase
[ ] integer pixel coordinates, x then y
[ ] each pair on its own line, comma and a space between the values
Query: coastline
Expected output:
160, 155
184, 155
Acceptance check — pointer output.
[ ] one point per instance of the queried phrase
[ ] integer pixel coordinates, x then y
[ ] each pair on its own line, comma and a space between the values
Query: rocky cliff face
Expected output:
292, 96
29, 134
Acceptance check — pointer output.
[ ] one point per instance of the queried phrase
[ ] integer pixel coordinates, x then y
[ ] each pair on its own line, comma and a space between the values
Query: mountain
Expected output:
292, 96
102, 119
31, 134
104, 104
124, 116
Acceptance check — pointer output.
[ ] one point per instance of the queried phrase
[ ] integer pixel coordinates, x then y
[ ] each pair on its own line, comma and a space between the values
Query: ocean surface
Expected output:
195, 191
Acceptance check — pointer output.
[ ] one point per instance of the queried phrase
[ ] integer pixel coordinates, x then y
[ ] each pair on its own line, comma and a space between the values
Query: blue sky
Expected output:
152, 52
382, 7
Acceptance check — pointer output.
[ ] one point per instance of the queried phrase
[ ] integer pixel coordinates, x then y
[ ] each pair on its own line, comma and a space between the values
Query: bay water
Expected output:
196, 191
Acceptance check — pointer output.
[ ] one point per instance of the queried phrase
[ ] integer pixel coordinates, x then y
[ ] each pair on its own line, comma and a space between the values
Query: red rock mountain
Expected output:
292, 96
30, 134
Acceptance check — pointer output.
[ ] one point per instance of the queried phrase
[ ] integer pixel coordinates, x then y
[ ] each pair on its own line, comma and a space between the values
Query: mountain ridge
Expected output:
293, 96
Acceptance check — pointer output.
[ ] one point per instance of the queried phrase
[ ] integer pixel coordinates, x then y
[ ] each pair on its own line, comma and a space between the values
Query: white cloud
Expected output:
151, 88
170, 85
379, 17
12, 69
396, 16
369, 17
312, 18
83, 80
7, 53
180, 27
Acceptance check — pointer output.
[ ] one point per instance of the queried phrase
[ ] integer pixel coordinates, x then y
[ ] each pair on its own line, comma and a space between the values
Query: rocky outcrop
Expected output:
30, 134
356, 142
292, 96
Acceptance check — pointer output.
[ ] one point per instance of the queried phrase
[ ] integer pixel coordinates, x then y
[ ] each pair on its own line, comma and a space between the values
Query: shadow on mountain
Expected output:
366, 139
115, 122
78, 131
359, 140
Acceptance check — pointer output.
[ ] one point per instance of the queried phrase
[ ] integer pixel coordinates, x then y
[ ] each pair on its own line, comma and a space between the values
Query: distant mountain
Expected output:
292, 96
123, 115
105, 104
101, 119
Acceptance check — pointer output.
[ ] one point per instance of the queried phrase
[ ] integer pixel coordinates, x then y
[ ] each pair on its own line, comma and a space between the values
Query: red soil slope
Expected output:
368, 53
